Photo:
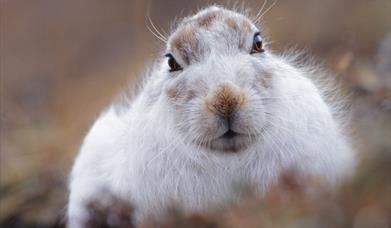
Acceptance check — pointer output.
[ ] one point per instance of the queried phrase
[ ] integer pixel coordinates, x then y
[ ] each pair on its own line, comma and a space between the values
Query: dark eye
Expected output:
172, 63
257, 44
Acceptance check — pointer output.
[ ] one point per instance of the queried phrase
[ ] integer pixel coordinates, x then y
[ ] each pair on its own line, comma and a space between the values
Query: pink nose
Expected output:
225, 100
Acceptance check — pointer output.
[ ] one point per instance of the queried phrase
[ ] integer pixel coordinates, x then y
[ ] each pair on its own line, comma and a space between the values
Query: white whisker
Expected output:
266, 11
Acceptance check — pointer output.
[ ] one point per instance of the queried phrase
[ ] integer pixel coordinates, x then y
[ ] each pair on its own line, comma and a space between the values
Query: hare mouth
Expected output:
230, 134
230, 142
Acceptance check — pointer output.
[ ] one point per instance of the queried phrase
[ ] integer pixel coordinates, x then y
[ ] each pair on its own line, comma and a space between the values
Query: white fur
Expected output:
146, 153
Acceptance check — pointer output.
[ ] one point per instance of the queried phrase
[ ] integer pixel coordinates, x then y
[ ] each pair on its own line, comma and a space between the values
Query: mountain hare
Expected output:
219, 108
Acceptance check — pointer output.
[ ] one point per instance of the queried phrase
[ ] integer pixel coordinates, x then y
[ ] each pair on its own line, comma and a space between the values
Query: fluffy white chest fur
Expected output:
224, 110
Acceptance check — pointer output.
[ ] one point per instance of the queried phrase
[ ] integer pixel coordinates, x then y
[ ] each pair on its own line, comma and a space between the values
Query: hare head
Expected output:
215, 77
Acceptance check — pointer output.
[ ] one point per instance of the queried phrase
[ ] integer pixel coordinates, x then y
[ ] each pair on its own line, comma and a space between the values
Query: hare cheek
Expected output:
171, 92
174, 89
266, 81
175, 95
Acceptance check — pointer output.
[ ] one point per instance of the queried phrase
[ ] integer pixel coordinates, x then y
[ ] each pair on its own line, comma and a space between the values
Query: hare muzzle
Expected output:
225, 100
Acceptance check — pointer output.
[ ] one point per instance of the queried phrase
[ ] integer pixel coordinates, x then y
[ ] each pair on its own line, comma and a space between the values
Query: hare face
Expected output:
218, 76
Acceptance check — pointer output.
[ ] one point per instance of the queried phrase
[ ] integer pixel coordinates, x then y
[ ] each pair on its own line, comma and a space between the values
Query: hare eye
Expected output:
172, 63
257, 44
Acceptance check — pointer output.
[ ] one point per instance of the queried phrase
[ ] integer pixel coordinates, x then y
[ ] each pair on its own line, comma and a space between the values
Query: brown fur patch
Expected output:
245, 26
225, 100
183, 40
232, 23
190, 95
207, 19
171, 92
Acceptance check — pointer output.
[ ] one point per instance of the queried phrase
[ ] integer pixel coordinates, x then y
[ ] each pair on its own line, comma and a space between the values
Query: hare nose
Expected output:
225, 100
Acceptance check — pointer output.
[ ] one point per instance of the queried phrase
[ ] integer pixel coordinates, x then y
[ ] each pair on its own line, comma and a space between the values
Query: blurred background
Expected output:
62, 62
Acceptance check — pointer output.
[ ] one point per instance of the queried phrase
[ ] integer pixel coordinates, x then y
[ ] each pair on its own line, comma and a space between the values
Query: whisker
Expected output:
260, 11
158, 37
148, 23
157, 31
266, 11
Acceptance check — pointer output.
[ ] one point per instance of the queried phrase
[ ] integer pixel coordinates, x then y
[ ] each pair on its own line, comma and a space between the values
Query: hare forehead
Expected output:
201, 28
